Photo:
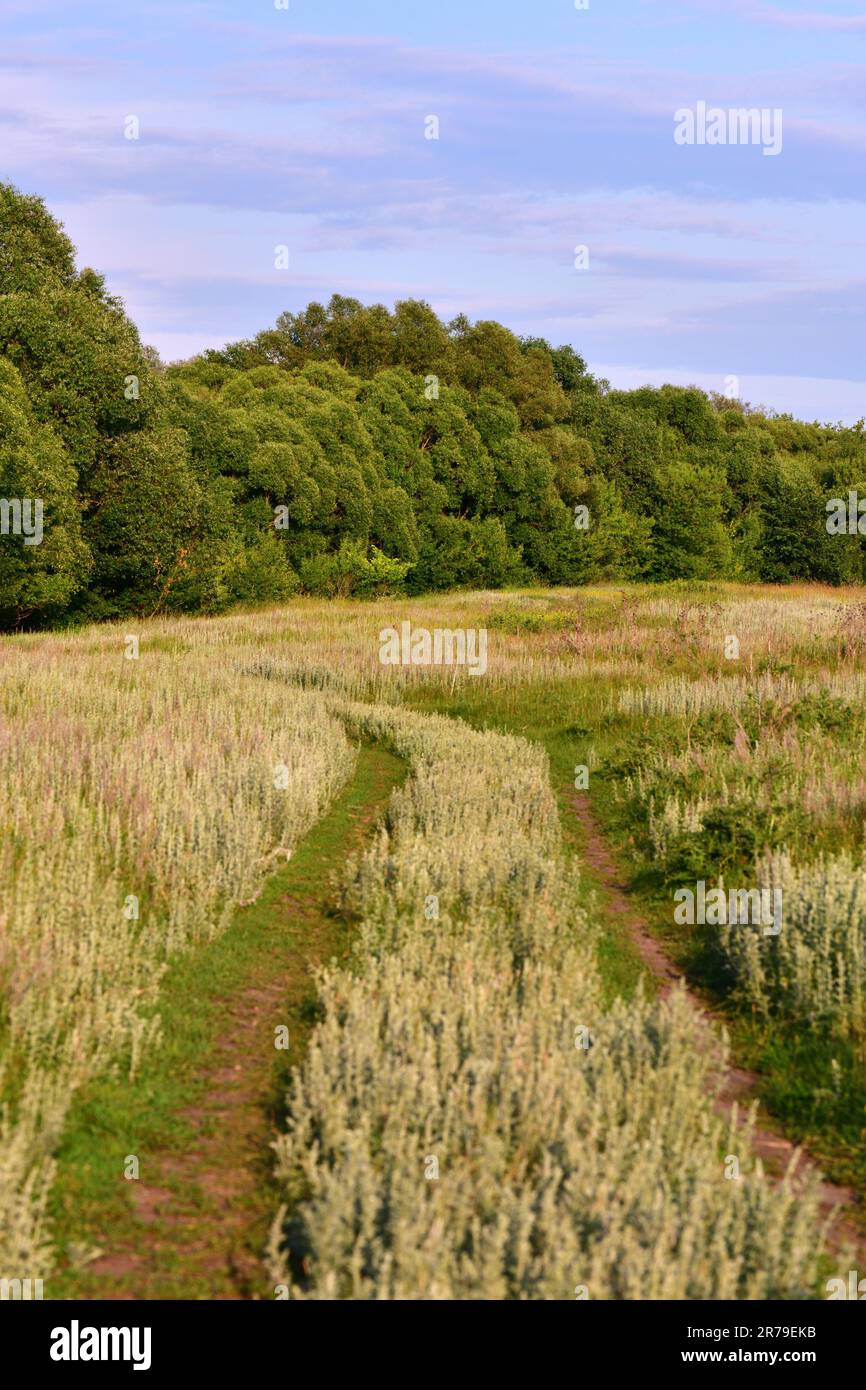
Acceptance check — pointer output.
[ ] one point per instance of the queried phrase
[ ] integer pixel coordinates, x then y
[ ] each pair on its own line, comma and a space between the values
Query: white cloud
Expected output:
805, 397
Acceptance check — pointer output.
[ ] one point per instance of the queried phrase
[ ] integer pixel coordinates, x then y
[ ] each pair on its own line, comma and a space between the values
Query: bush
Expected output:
352, 572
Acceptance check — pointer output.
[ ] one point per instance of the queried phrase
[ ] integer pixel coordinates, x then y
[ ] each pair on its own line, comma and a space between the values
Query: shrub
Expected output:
352, 572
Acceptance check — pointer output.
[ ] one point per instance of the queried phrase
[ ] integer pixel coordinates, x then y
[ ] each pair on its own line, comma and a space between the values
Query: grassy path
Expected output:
839, 1203
631, 949
200, 1118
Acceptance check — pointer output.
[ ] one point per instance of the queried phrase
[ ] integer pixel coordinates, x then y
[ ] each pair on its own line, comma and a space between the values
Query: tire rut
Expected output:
201, 1219
839, 1204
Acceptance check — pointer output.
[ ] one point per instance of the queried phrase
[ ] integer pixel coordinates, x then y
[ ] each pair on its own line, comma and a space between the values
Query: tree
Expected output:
689, 539
353, 445
79, 356
144, 524
35, 252
44, 559
795, 543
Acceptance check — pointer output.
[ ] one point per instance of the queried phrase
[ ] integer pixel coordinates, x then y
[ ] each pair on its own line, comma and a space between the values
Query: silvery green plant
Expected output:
814, 971
138, 808
560, 1167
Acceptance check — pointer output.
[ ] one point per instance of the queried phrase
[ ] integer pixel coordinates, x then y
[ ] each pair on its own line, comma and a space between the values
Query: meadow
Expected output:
490, 1096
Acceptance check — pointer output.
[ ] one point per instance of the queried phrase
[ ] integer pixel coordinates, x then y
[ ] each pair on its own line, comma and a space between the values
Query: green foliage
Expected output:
462, 453
617, 544
537, 618
144, 525
795, 542
352, 572
689, 537
79, 356
466, 553
39, 573
260, 573
34, 249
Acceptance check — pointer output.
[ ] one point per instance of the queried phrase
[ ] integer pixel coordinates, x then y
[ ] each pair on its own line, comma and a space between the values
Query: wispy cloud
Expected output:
308, 129
808, 20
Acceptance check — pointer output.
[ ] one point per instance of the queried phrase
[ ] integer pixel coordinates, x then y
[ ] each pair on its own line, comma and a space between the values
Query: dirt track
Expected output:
839, 1204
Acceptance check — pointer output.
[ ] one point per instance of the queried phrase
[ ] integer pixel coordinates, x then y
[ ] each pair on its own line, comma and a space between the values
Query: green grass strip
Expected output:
193, 1224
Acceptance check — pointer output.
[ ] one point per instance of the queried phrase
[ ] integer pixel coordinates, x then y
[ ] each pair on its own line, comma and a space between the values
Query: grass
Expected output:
567, 1136
159, 1118
547, 717
558, 664
814, 1084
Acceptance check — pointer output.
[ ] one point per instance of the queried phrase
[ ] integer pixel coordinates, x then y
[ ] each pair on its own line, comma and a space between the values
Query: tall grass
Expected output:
814, 971
468, 1122
448, 1037
138, 805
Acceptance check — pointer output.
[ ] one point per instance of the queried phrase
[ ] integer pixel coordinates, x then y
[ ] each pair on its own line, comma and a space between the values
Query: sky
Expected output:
304, 124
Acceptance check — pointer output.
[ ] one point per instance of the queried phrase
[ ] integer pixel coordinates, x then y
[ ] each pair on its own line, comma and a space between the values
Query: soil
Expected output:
840, 1205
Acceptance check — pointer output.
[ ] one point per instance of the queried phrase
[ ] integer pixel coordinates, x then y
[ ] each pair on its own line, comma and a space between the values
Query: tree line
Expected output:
354, 449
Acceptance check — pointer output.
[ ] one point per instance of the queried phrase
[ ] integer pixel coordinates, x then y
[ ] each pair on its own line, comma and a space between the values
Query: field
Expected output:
329, 978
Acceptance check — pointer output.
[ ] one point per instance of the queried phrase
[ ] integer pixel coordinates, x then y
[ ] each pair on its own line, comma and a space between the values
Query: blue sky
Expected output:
305, 127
